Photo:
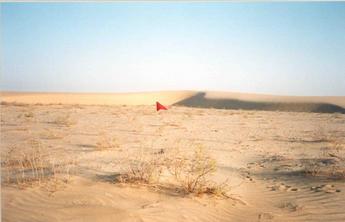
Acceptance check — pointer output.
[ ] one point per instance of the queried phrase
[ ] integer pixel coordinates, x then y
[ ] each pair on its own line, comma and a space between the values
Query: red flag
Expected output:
160, 106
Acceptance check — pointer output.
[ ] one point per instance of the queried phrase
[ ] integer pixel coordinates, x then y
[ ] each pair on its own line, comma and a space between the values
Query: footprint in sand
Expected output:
150, 205
327, 188
255, 165
265, 217
249, 178
289, 206
282, 187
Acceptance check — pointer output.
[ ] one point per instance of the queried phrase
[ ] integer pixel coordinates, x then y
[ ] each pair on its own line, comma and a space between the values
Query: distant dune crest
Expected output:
217, 100
269, 104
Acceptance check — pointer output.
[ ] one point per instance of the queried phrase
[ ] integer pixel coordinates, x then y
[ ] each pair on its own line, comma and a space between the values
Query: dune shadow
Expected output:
108, 178
200, 101
166, 189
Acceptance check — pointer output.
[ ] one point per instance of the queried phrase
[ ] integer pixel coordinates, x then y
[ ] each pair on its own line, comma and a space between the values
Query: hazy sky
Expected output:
275, 48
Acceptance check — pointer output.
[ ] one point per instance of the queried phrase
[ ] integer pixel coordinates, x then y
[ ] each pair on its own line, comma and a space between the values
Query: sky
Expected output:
290, 48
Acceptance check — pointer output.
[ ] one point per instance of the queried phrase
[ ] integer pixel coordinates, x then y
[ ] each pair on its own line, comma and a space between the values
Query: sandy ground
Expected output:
147, 98
261, 153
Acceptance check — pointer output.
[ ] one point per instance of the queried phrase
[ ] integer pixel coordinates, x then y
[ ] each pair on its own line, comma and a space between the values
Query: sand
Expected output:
147, 98
261, 153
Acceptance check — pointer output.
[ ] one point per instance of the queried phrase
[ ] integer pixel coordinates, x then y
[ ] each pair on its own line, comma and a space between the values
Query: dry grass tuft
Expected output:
105, 142
64, 120
190, 174
31, 165
320, 135
14, 104
193, 172
330, 163
143, 168
29, 114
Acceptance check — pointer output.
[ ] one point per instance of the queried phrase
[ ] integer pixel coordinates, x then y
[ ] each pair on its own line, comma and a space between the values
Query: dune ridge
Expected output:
267, 103
207, 99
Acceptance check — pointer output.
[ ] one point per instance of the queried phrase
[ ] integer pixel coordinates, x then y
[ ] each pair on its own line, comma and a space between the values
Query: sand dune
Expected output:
212, 99
265, 102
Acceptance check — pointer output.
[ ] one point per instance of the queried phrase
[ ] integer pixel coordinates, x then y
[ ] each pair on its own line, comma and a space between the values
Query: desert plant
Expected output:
336, 149
320, 135
29, 114
30, 165
105, 142
192, 172
328, 163
64, 120
144, 168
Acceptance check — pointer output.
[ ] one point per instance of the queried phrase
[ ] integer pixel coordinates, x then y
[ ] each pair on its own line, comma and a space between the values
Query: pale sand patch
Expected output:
147, 98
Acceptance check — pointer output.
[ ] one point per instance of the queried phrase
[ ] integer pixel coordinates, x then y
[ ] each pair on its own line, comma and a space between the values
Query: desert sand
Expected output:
280, 162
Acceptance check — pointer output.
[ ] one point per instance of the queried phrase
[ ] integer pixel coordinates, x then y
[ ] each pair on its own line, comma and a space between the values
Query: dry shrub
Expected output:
336, 150
105, 142
64, 120
142, 168
193, 172
320, 135
29, 114
14, 104
30, 165
190, 172
329, 163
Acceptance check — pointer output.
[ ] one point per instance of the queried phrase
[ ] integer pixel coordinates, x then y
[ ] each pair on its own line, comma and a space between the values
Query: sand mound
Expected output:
265, 102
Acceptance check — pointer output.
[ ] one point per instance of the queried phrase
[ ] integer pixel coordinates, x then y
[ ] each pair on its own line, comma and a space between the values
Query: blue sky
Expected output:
276, 48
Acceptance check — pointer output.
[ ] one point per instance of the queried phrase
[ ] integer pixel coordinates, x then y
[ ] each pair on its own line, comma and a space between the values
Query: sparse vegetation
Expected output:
320, 135
193, 172
29, 114
105, 142
64, 120
190, 173
329, 163
30, 165
142, 168
4, 103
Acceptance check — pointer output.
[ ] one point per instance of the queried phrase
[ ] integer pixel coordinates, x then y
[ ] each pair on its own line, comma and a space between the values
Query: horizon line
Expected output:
157, 91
